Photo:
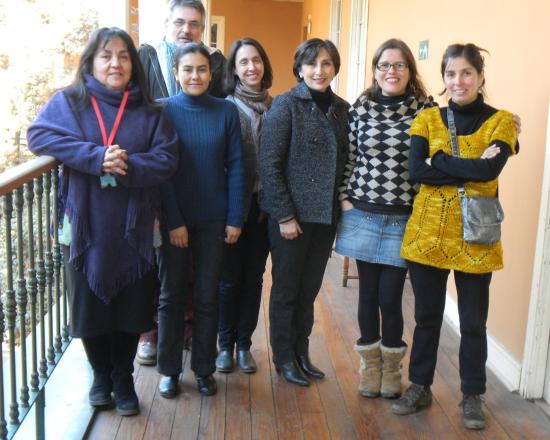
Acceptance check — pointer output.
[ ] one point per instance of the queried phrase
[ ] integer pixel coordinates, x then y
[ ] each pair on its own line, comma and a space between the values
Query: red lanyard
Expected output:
108, 142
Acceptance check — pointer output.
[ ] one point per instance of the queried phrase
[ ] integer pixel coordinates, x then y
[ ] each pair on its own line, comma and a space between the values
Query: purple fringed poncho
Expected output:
111, 228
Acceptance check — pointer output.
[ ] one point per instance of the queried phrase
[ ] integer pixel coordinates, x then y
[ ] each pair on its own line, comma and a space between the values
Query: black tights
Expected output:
380, 291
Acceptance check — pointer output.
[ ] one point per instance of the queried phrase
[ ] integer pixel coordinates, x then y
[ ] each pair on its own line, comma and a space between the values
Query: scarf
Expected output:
168, 55
259, 102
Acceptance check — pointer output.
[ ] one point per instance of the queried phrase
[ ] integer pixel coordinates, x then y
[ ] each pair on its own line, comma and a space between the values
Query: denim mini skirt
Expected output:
371, 237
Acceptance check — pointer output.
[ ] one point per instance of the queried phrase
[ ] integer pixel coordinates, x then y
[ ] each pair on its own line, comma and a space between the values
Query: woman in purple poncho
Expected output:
116, 148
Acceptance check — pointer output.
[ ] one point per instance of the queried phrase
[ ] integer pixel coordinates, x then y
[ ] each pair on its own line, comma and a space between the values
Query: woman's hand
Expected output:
232, 234
290, 229
115, 161
179, 237
346, 205
490, 152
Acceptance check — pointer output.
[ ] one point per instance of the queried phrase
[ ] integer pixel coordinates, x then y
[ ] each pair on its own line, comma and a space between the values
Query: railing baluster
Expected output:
21, 297
10, 308
57, 262
32, 282
65, 310
3, 424
41, 273
49, 265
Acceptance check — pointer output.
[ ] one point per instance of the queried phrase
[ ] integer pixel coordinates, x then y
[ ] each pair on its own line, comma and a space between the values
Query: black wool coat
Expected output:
303, 154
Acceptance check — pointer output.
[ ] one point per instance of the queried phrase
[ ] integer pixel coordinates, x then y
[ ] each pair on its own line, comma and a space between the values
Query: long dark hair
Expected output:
100, 38
231, 79
471, 53
415, 87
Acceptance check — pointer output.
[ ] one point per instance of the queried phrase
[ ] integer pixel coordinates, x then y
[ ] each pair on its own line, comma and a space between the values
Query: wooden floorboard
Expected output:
264, 406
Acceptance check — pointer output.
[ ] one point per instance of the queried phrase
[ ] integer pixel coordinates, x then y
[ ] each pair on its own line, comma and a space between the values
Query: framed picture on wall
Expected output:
217, 32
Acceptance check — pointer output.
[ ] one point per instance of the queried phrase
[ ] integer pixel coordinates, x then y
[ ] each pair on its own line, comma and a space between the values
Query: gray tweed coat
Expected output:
302, 157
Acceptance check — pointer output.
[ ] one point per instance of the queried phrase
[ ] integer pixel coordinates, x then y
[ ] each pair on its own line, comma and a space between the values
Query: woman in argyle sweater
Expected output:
376, 199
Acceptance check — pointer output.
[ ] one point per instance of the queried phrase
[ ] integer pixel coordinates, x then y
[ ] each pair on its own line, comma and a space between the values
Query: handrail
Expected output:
33, 302
18, 175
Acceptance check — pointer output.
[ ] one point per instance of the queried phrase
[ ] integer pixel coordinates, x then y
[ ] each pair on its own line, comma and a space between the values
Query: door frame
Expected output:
357, 49
535, 357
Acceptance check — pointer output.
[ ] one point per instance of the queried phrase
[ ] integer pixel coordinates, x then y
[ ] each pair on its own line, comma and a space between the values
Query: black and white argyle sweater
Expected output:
377, 168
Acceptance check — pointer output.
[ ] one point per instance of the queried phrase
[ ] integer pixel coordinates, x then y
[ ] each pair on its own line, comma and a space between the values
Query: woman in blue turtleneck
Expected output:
202, 207
109, 193
303, 152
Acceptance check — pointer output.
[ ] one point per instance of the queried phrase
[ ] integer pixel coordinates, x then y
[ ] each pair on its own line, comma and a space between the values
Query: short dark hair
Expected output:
231, 79
308, 51
471, 53
184, 49
195, 4
100, 38
415, 86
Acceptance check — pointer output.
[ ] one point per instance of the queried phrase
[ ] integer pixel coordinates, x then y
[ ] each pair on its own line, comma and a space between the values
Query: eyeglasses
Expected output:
192, 24
385, 67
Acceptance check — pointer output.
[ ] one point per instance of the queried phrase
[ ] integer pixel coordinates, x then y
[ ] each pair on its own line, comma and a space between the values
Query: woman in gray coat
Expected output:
302, 158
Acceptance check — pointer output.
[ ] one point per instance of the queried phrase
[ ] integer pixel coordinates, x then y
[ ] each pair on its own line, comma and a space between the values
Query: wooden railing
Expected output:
33, 306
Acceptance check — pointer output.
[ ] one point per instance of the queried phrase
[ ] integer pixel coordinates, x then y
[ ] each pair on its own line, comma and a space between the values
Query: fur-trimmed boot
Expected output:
370, 369
391, 371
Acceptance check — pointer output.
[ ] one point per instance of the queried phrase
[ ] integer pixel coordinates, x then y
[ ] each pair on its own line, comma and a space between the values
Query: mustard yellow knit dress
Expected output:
433, 235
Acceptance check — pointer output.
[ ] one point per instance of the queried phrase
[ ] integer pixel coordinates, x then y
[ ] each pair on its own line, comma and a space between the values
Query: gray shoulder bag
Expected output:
481, 216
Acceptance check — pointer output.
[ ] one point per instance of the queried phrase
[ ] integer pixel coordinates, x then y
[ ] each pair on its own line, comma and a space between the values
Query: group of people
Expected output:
200, 189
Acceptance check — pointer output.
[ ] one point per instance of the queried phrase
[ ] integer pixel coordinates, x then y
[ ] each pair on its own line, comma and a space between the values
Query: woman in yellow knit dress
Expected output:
433, 243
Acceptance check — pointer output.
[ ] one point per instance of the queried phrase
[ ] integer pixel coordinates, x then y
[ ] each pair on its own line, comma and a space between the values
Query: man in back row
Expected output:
184, 24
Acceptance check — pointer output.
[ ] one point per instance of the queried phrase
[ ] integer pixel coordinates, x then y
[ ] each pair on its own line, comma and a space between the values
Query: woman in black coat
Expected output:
302, 157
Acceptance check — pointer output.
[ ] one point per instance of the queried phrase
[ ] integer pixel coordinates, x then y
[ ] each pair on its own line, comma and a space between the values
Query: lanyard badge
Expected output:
106, 180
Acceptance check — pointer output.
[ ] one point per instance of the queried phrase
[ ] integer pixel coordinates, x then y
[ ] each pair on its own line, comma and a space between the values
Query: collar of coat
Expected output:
301, 91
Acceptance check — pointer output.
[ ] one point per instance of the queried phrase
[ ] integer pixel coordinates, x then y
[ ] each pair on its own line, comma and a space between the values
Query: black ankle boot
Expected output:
307, 367
292, 373
126, 399
124, 351
98, 351
100, 391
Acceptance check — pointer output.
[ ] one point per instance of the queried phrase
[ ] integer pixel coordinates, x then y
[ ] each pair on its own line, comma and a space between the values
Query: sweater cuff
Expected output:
285, 219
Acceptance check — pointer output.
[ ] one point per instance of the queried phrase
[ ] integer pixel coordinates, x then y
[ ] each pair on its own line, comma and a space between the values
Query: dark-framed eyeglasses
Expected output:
192, 24
385, 67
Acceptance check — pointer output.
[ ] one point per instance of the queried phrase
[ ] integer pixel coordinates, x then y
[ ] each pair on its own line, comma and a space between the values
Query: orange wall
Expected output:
275, 24
518, 79
319, 10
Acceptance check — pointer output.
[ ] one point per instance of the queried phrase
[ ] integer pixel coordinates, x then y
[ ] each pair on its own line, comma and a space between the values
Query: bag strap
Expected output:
454, 143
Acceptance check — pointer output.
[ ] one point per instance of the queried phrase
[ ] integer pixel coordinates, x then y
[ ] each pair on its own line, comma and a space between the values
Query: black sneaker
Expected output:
473, 416
412, 400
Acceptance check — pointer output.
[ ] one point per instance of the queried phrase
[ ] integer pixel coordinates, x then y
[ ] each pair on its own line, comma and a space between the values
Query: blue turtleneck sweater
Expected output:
209, 182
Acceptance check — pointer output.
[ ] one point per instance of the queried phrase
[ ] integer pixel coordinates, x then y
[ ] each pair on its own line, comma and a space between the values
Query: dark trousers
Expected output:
381, 293
241, 283
205, 249
297, 272
112, 354
429, 285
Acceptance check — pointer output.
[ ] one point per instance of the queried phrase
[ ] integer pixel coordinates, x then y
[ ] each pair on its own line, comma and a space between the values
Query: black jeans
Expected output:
381, 293
429, 285
298, 269
205, 247
241, 283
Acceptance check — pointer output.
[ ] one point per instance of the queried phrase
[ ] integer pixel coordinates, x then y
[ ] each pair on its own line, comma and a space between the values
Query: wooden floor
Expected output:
264, 406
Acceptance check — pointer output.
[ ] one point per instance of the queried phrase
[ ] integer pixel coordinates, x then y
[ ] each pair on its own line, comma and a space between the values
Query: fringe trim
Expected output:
107, 291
